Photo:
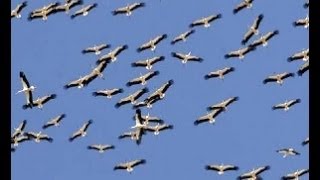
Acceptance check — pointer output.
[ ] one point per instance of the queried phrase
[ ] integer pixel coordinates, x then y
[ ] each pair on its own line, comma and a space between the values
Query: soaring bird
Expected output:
287, 151
239, 53
182, 37
132, 98
223, 105
127, 10
186, 57
68, 5
242, 5
147, 63
135, 135
303, 69
38, 136
219, 73
304, 55
147, 118
96, 49
253, 30
27, 89
152, 44
43, 12
263, 40
84, 11
101, 148
278, 78
295, 175
209, 117
138, 120
54, 121
143, 78
108, 92
221, 168
254, 174
129, 165
112, 55
18, 139
160, 92
159, 127
39, 102
302, 22
82, 131
205, 21
17, 10
286, 105
305, 142
20, 129
79, 83
147, 102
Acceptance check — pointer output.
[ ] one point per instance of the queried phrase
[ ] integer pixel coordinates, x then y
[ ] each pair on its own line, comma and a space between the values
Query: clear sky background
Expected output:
247, 135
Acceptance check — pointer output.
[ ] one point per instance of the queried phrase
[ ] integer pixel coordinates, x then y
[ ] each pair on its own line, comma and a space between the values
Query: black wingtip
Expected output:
235, 11
172, 42
114, 13
63, 116
128, 84
298, 100
207, 167
125, 46
289, 59
66, 87
143, 161
236, 98
161, 58
142, 4
243, 42
261, 16
191, 25
219, 15
209, 108
139, 50
45, 127
171, 81
21, 74
145, 90
72, 16
53, 96
173, 54
156, 73
164, 36
206, 77
84, 52
120, 90
94, 94
94, 5
226, 56
299, 73
276, 32
26, 106
117, 105
195, 123
90, 121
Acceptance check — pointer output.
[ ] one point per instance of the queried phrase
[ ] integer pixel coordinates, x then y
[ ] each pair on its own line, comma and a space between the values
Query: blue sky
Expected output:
247, 135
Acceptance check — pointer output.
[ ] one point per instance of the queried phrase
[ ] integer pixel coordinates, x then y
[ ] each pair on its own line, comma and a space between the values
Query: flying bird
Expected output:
223, 105
38, 136
286, 105
242, 5
68, 5
143, 78
147, 102
295, 175
263, 40
138, 120
54, 121
302, 22
221, 168
135, 135
129, 165
132, 98
219, 73
127, 10
112, 55
278, 78
79, 83
27, 89
303, 69
82, 132
147, 118
160, 92
16, 12
254, 174
304, 55
159, 127
43, 12
205, 21
101, 148
84, 11
147, 63
287, 151
182, 37
209, 117
39, 102
253, 30
108, 92
18, 139
239, 53
186, 57
20, 129
305, 142
96, 49
152, 44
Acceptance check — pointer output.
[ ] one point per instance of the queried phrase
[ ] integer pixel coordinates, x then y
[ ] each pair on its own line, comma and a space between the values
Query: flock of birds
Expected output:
147, 123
